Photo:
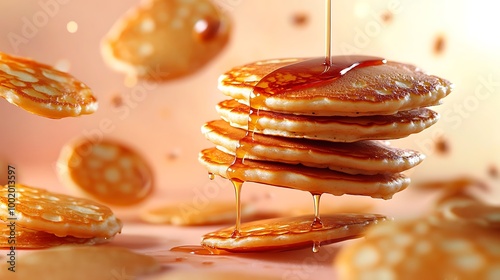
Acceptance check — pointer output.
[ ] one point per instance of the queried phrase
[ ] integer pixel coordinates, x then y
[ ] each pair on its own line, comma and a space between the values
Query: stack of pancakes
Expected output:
327, 138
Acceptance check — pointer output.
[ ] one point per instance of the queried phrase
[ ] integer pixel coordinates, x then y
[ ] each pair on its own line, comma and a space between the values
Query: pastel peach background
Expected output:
164, 123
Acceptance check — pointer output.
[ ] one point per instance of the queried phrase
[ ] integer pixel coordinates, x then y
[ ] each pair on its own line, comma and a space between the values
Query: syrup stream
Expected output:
328, 35
237, 191
317, 219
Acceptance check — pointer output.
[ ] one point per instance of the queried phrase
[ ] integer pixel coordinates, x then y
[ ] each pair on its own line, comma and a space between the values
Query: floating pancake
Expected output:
469, 212
382, 89
417, 249
33, 239
107, 171
40, 89
314, 180
289, 233
161, 40
363, 157
59, 214
186, 214
336, 129
81, 262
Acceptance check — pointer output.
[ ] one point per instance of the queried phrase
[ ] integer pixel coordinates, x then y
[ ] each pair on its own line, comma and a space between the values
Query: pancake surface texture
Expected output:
336, 129
43, 90
319, 127
314, 180
290, 233
363, 157
377, 90
60, 214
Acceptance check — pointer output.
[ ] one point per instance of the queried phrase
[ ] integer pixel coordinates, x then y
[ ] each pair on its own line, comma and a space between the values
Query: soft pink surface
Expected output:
164, 125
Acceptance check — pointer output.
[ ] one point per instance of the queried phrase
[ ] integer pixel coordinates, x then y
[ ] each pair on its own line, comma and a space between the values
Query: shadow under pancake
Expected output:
136, 241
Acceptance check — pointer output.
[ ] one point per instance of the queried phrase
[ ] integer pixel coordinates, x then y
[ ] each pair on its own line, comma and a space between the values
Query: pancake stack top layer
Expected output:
299, 124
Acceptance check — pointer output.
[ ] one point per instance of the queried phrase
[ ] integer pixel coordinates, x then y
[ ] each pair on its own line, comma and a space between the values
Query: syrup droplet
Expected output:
211, 176
316, 246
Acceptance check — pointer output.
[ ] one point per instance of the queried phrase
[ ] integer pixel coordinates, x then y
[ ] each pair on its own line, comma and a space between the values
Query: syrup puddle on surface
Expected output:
197, 250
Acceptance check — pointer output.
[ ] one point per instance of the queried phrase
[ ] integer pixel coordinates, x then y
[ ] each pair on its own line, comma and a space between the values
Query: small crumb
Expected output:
439, 44
173, 154
387, 16
493, 171
442, 146
300, 19
117, 101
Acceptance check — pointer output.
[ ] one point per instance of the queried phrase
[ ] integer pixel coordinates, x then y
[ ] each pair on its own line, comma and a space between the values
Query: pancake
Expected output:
417, 249
43, 90
374, 90
314, 180
162, 40
289, 233
58, 214
336, 129
81, 262
363, 157
107, 170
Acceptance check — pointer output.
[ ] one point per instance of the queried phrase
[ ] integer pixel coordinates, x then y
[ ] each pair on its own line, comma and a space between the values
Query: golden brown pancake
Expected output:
374, 90
417, 249
336, 129
162, 40
108, 171
43, 90
59, 214
363, 157
289, 233
314, 180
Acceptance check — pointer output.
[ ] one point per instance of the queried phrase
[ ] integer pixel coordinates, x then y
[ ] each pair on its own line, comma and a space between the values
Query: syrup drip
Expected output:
316, 246
237, 192
211, 176
317, 220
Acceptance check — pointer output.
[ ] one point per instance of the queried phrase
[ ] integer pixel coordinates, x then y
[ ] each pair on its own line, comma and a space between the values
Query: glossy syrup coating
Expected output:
381, 89
58, 214
42, 90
